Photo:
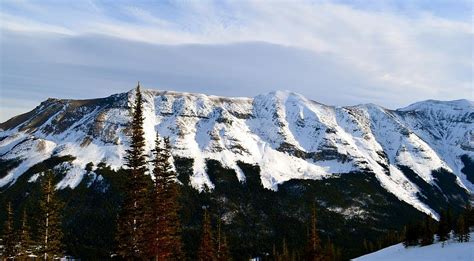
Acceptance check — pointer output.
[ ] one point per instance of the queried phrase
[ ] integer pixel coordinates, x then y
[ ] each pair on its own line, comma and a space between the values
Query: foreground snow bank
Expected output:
450, 251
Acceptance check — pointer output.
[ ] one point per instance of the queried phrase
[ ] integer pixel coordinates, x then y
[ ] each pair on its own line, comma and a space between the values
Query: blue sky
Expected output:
339, 52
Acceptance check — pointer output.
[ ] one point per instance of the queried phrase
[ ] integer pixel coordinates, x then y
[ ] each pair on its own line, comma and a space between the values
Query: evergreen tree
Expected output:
379, 244
412, 235
9, 234
293, 255
427, 232
132, 222
450, 220
274, 252
165, 241
468, 214
285, 253
329, 251
467, 235
207, 249
50, 226
89, 167
365, 245
313, 250
371, 246
338, 255
458, 231
24, 242
462, 230
443, 227
222, 247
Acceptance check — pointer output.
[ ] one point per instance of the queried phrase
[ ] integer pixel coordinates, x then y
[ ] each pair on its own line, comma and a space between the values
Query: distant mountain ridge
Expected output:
412, 151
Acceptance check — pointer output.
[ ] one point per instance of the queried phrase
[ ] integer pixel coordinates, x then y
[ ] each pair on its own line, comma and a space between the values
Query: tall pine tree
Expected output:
165, 239
462, 230
207, 251
9, 234
50, 223
24, 242
222, 246
132, 222
314, 250
427, 231
330, 251
412, 235
469, 214
443, 227
285, 253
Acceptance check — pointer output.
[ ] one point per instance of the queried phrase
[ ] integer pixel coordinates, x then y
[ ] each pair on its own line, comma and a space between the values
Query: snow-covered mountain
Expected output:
287, 135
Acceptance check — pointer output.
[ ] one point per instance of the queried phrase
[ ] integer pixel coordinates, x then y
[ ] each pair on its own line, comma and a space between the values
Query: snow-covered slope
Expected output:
448, 251
447, 126
285, 134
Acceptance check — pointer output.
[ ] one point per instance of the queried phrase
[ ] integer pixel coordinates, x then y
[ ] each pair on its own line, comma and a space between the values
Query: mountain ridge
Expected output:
287, 135
49, 99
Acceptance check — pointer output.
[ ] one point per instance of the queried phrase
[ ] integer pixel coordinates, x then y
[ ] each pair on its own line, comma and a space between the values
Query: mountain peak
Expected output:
454, 104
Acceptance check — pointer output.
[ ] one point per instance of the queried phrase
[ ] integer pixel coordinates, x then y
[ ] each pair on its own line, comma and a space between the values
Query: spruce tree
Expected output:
274, 252
50, 226
285, 252
207, 250
467, 235
450, 220
329, 251
132, 223
412, 235
443, 227
371, 246
9, 234
314, 250
469, 214
365, 246
462, 230
165, 239
24, 242
338, 254
427, 232
222, 247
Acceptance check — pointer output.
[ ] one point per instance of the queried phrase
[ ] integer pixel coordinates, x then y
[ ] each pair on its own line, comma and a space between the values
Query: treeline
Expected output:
389, 239
424, 232
449, 225
314, 250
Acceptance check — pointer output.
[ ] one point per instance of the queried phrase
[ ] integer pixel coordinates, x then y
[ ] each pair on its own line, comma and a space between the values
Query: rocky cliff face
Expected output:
410, 151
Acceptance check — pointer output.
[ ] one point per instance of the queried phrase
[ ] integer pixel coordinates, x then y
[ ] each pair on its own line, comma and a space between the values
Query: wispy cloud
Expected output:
401, 49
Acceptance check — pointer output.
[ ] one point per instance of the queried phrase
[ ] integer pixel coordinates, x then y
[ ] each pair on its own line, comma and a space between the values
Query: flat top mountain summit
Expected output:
285, 134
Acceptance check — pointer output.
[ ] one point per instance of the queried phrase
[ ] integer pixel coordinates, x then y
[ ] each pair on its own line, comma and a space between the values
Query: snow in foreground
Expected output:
451, 251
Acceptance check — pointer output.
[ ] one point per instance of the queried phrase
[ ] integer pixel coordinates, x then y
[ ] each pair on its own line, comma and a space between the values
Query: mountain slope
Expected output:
443, 252
285, 134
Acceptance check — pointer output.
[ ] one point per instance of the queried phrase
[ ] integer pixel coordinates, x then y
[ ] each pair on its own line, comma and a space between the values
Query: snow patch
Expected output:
34, 178
448, 251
